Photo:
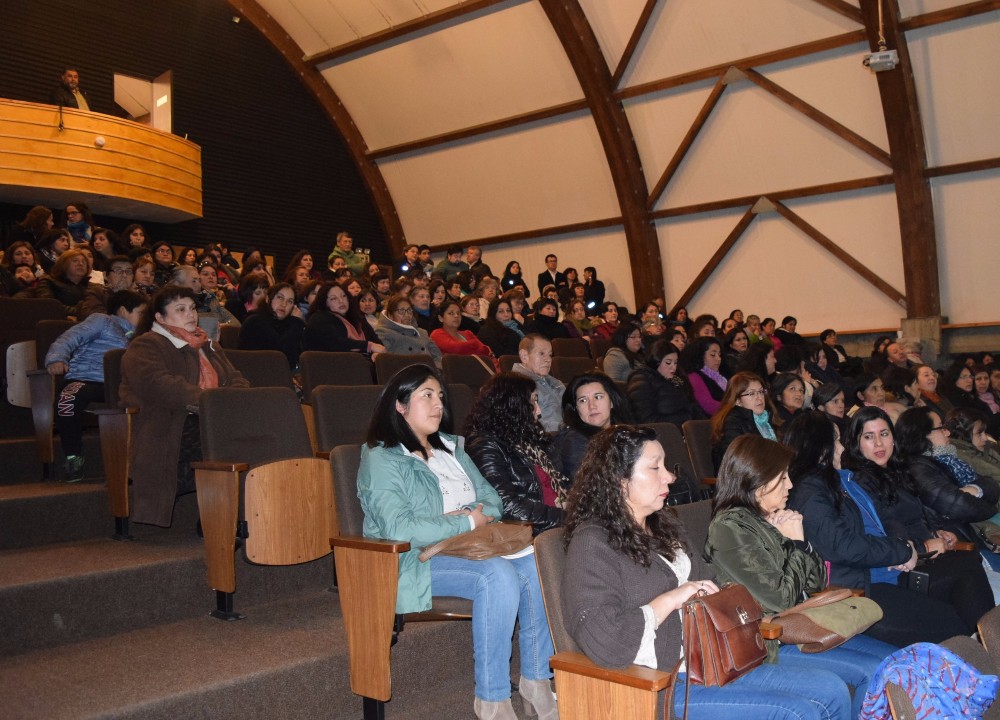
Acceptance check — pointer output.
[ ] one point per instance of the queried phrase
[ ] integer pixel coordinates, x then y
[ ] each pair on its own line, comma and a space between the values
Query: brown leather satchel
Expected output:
722, 639
485, 542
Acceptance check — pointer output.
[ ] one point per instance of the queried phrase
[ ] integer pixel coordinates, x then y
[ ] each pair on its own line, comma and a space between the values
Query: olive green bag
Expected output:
827, 620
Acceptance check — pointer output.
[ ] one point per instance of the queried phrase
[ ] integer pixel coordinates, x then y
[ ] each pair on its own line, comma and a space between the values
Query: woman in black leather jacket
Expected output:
659, 392
509, 446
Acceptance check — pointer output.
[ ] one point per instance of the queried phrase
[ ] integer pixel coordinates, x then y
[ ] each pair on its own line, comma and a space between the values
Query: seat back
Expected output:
262, 368
345, 461
570, 347
388, 364
688, 487
989, 633
599, 346
229, 337
698, 436
465, 369
341, 413
18, 317
46, 332
460, 400
112, 377
695, 518
550, 557
329, 368
567, 368
507, 362
252, 425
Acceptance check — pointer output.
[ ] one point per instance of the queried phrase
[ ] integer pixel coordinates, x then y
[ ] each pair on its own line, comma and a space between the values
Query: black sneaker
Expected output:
74, 468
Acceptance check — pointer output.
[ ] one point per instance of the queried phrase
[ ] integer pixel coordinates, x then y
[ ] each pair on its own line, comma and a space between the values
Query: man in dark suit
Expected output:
69, 94
551, 276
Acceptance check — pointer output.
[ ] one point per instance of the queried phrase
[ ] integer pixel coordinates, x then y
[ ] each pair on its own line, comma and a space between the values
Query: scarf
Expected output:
208, 378
959, 470
872, 522
352, 332
990, 399
515, 326
715, 376
80, 230
933, 397
560, 483
764, 427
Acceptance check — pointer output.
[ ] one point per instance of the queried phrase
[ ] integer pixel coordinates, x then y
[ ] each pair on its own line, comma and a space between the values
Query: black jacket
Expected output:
838, 534
513, 477
545, 279
263, 331
904, 516
939, 492
738, 422
546, 326
63, 96
500, 339
656, 399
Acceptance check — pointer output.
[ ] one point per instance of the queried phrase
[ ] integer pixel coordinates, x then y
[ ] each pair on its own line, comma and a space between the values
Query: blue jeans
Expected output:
501, 591
854, 662
769, 692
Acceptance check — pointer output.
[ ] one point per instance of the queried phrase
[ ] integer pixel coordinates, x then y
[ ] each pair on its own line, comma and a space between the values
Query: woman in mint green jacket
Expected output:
417, 484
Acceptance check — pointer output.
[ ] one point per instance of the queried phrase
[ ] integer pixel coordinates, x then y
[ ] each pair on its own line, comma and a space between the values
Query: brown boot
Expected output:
538, 699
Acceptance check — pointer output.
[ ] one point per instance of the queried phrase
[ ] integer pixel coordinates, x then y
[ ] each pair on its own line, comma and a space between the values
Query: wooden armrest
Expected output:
708, 481
962, 545
634, 676
220, 466
356, 542
114, 411
770, 630
323, 454
40, 371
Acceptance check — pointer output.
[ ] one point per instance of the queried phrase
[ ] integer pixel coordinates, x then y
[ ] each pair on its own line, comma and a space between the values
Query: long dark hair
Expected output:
886, 480
619, 339
811, 435
353, 309
912, 430
621, 411
600, 493
751, 462
503, 410
693, 356
389, 428
961, 422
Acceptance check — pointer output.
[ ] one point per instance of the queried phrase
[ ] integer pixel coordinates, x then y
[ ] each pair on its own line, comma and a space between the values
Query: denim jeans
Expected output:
769, 692
854, 662
501, 591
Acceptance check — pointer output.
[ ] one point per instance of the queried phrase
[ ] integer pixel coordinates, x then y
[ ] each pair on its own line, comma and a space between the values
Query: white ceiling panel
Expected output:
909, 8
545, 175
613, 23
687, 244
967, 217
308, 23
498, 65
688, 35
838, 85
958, 85
754, 143
659, 123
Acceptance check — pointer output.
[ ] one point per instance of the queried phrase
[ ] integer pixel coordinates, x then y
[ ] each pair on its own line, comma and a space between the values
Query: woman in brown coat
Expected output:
164, 371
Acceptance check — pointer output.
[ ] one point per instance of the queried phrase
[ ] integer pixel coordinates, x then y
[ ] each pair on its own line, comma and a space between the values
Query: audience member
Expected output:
590, 403
67, 282
164, 264
398, 332
550, 275
53, 244
701, 361
608, 312
449, 268
355, 262
594, 290
32, 229
535, 355
512, 278
745, 410
659, 392
500, 331
336, 324
546, 320
69, 93
275, 325
452, 340
474, 259
625, 354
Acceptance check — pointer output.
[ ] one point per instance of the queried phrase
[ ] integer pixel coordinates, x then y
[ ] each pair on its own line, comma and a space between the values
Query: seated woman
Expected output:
609, 314
789, 393
142, 271
546, 320
625, 354
745, 409
972, 444
759, 359
577, 324
250, 293
418, 484
53, 244
487, 290
944, 483
701, 361
735, 343
336, 325
957, 577
367, 306
78, 356
500, 331
927, 380
163, 257
423, 314
960, 389
829, 399
869, 391
840, 522
470, 314
454, 341
984, 389
67, 282
591, 403
756, 541
19, 260
658, 392
651, 321
506, 440
630, 568
275, 326
399, 334
164, 371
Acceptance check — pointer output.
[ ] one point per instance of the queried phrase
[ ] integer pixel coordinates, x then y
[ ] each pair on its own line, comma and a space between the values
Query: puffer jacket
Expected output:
406, 339
512, 475
744, 548
656, 399
939, 492
82, 347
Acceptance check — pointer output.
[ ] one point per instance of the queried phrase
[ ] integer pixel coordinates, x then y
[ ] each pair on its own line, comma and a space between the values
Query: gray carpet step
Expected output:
47, 512
64, 593
19, 459
287, 660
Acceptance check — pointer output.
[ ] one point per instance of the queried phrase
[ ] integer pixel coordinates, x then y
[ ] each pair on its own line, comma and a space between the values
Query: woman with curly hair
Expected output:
630, 568
303, 258
336, 324
507, 442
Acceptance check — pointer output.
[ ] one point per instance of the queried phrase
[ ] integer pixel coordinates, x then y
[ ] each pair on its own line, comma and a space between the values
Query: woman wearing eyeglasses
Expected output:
745, 409
397, 330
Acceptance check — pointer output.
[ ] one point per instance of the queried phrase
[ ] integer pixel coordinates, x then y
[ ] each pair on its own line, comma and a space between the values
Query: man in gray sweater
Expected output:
535, 352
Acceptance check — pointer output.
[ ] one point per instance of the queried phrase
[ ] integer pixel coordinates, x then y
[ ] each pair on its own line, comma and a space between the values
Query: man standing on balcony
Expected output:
69, 94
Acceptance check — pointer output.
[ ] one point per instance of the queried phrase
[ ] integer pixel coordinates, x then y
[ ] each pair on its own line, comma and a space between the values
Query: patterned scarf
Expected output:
208, 378
560, 483
960, 471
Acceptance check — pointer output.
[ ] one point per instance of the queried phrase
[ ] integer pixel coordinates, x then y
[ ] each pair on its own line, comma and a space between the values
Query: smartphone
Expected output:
918, 581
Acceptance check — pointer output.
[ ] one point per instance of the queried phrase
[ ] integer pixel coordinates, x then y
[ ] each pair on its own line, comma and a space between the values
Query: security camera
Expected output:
881, 61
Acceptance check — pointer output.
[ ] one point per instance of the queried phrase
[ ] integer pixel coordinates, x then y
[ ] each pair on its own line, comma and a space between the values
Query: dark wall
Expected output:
275, 172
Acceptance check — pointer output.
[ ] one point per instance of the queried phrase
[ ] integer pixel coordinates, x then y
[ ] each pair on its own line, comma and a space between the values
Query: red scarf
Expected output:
208, 378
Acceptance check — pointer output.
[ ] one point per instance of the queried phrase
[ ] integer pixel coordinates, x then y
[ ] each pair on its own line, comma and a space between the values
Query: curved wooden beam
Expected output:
317, 85
584, 53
